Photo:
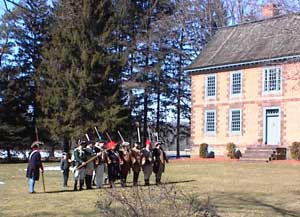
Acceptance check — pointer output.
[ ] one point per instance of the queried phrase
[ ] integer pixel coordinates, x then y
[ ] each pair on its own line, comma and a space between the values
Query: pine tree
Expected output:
80, 76
23, 31
14, 117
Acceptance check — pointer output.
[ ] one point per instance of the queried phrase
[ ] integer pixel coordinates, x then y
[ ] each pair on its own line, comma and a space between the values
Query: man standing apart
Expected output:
34, 166
64, 167
159, 161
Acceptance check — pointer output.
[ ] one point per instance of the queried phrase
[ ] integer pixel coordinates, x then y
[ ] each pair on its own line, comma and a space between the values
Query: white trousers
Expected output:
99, 175
79, 174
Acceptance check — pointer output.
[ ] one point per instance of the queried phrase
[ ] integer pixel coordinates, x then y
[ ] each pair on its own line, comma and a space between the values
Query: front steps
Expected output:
264, 153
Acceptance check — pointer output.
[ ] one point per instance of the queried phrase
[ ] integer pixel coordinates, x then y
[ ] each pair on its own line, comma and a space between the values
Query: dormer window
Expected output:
272, 80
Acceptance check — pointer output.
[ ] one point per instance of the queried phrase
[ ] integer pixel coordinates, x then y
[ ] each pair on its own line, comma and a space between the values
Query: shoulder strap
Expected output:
32, 154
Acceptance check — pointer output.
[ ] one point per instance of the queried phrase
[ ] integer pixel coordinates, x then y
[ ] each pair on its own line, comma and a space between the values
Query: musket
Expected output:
86, 162
149, 133
121, 136
43, 180
36, 134
108, 136
156, 135
37, 139
138, 132
87, 137
99, 137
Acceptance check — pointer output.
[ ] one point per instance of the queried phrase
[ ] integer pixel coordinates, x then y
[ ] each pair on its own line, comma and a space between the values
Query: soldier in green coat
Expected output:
80, 158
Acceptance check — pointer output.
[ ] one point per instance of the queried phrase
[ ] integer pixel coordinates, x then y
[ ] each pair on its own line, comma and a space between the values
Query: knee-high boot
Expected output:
81, 183
158, 181
75, 185
88, 181
135, 179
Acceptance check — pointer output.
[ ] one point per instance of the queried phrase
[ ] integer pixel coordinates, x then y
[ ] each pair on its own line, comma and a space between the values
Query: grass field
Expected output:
236, 189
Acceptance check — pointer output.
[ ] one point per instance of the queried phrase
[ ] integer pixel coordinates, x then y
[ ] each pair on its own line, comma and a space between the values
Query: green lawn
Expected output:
236, 189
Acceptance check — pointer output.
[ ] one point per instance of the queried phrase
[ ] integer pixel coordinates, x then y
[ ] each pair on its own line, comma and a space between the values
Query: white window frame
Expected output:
230, 122
206, 86
210, 133
278, 69
231, 84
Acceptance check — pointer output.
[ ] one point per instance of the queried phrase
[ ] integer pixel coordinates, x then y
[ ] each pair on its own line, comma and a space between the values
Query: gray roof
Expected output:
243, 45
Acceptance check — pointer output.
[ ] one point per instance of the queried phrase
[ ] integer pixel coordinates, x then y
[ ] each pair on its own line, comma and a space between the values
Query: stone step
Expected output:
260, 152
258, 155
262, 148
254, 160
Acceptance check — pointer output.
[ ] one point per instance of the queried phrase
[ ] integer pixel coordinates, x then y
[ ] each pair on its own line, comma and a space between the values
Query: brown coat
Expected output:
135, 157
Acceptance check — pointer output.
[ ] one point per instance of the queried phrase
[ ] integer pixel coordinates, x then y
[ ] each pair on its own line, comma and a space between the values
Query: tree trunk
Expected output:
178, 101
66, 145
145, 116
8, 154
158, 107
178, 115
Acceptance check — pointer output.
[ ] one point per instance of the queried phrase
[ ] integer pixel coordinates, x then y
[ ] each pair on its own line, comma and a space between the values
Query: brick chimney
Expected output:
270, 10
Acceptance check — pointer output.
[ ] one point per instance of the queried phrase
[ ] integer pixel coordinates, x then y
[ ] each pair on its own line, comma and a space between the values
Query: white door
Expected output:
272, 127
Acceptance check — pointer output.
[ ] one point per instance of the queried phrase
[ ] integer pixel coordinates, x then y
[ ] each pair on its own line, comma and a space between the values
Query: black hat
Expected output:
82, 143
158, 143
101, 140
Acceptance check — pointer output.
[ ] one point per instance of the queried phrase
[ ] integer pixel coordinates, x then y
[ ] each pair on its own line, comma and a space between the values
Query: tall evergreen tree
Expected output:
14, 117
23, 31
80, 76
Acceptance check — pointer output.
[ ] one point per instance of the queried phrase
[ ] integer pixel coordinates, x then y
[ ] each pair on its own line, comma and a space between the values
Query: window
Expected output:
272, 80
236, 84
210, 122
210, 86
235, 121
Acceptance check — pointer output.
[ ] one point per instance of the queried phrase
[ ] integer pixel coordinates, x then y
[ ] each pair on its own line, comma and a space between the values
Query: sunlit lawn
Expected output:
236, 189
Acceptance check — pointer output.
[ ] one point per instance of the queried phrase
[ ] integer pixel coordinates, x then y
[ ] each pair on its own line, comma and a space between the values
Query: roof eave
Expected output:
232, 66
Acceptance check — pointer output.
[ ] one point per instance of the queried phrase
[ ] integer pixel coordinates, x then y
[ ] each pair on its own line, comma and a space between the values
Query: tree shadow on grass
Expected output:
119, 186
249, 203
42, 213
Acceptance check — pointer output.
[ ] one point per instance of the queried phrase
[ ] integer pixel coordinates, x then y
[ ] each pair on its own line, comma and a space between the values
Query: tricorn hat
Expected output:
125, 144
82, 143
36, 144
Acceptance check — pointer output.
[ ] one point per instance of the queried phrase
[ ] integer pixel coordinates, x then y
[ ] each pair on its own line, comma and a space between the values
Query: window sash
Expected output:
272, 80
210, 86
236, 80
210, 122
235, 123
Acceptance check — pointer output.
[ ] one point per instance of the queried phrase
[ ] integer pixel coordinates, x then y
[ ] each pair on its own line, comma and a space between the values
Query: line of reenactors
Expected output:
95, 162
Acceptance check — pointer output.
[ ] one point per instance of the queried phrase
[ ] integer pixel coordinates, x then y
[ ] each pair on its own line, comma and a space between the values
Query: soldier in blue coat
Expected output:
34, 166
